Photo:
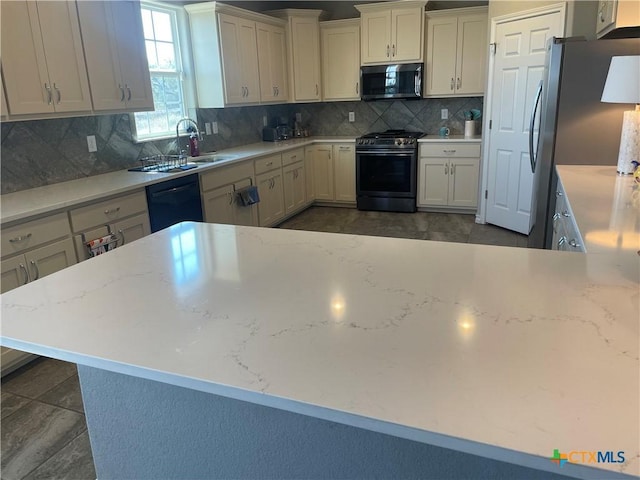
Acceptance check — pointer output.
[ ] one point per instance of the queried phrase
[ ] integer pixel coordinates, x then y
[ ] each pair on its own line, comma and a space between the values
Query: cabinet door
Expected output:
344, 163
270, 189
100, 45
309, 153
272, 64
406, 35
323, 173
218, 205
433, 183
249, 59
234, 88
46, 260
132, 228
14, 273
441, 55
463, 182
132, 55
65, 57
305, 35
294, 187
340, 63
244, 214
23, 62
376, 36
471, 55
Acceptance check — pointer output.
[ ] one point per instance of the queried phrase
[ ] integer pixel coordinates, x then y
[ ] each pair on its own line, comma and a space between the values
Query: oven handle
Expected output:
404, 153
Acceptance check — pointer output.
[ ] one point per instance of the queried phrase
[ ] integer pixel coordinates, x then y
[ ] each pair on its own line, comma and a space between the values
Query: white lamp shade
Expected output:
623, 80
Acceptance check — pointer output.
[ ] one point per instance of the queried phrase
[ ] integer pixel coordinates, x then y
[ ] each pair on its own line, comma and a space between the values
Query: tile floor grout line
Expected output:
54, 454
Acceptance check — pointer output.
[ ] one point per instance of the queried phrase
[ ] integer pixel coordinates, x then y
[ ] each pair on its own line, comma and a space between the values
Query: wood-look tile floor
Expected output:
44, 434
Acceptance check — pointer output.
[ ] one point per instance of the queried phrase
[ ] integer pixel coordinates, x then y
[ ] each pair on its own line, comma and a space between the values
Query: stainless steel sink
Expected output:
212, 158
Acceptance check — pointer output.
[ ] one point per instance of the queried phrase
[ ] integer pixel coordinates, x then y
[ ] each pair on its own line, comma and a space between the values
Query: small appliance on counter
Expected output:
276, 134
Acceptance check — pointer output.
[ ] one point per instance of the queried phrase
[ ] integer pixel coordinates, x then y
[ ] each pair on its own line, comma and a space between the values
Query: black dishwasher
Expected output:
174, 201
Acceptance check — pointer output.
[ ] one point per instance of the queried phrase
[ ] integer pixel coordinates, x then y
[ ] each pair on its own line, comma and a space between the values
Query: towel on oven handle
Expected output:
248, 195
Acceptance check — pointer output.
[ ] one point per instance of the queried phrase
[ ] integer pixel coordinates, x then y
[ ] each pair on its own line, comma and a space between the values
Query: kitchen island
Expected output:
218, 351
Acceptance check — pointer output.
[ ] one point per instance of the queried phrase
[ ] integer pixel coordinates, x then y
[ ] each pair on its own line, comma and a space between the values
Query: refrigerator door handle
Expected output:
532, 158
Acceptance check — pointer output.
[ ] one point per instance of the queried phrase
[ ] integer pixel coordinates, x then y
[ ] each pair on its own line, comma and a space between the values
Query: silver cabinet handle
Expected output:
26, 274
453, 169
574, 244
122, 235
459, 84
20, 238
121, 93
345, 148
128, 91
230, 198
317, 89
274, 91
448, 151
58, 92
49, 98
532, 157
111, 210
277, 91
269, 164
562, 240
387, 50
247, 91
357, 88
393, 50
446, 169
293, 157
35, 269
451, 83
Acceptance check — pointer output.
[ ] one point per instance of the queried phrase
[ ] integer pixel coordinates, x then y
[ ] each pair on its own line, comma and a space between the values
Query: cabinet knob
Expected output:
20, 238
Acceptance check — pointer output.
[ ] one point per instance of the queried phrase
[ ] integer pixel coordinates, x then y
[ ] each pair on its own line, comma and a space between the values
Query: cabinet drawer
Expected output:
106, 212
292, 156
225, 176
36, 232
267, 163
449, 150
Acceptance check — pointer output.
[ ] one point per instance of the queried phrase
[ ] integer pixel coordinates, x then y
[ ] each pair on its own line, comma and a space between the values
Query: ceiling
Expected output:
338, 9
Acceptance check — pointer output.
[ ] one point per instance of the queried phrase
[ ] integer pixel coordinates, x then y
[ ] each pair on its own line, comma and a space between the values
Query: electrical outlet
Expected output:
264, 121
298, 117
214, 127
207, 128
352, 116
444, 113
91, 143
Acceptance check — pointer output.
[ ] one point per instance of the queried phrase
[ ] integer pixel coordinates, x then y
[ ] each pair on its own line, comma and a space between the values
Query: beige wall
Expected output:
581, 14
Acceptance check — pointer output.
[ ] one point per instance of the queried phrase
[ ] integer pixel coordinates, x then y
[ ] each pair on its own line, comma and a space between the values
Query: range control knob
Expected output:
399, 142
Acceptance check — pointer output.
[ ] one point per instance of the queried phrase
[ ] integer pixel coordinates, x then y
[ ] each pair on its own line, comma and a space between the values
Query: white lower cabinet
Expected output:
334, 171
271, 191
448, 175
294, 187
33, 255
309, 174
220, 202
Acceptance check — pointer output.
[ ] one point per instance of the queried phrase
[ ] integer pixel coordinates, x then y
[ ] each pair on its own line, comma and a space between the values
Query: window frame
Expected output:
182, 43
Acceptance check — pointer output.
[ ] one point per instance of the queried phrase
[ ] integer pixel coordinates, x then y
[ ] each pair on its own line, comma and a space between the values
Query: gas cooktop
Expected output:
390, 138
394, 134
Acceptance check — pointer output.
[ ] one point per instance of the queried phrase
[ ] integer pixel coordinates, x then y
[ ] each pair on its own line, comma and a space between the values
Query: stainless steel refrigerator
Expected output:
575, 127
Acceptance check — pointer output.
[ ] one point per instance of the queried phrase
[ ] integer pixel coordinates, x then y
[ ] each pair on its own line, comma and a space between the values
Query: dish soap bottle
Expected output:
194, 149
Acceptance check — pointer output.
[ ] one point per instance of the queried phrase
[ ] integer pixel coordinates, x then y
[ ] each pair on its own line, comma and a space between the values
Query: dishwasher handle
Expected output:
171, 191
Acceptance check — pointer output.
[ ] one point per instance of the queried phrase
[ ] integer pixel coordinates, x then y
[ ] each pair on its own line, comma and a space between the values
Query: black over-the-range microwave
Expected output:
379, 82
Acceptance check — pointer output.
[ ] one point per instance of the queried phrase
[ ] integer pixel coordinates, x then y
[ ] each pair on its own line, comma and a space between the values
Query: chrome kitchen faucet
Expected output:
185, 119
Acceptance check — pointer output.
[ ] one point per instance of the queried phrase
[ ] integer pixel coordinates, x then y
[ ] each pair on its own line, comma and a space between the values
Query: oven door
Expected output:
387, 173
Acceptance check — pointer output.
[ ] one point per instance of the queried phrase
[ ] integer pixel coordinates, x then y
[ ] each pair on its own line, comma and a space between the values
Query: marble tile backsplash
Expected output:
42, 152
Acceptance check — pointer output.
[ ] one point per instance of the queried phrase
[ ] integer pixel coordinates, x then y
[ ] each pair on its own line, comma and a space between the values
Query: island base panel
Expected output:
145, 429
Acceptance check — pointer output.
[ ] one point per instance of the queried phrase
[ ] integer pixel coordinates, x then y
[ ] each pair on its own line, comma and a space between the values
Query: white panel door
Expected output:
517, 71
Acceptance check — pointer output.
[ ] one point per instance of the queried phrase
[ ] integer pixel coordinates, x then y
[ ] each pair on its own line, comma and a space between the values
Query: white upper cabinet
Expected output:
456, 45
116, 58
42, 58
392, 32
340, 59
227, 56
272, 62
614, 14
303, 45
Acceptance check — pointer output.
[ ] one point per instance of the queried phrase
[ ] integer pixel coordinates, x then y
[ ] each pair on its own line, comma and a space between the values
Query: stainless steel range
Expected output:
386, 171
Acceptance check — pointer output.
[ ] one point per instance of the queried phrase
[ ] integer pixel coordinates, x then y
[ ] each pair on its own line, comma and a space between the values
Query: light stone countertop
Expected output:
605, 205
500, 352
33, 202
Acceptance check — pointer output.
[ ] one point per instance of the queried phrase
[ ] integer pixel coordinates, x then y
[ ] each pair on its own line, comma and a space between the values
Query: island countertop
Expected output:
500, 352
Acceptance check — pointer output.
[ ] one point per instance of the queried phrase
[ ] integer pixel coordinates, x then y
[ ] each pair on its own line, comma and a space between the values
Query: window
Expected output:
165, 67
